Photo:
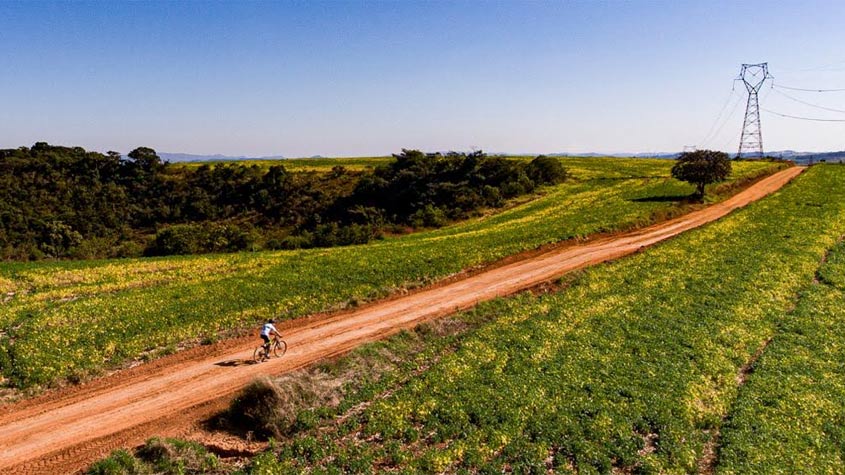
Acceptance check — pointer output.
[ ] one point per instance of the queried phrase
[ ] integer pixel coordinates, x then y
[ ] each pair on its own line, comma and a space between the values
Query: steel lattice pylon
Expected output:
751, 141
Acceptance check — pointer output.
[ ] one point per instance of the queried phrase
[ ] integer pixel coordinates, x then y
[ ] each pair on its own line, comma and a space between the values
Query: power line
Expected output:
802, 118
711, 137
809, 103
724, 145
719, 116
808, 90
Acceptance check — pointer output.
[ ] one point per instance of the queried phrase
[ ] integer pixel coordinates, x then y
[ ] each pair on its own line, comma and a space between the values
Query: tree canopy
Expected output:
701, 168
60, 202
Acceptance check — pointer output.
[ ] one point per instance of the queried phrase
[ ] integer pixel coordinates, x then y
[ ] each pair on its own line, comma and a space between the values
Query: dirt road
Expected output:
64, 431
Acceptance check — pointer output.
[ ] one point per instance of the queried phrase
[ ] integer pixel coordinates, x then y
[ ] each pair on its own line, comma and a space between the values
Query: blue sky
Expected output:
369, 78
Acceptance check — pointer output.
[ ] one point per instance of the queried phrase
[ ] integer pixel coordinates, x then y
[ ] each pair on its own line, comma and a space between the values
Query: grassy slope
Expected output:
629, 368
70, 318
790, 417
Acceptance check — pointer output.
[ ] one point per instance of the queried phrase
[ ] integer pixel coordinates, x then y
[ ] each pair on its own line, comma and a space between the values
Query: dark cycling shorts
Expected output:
265, 338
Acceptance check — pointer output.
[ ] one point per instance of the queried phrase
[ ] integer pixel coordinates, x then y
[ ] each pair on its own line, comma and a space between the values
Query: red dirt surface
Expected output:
64, 431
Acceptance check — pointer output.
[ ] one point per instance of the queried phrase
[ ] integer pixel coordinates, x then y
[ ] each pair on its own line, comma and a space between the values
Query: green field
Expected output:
595, 166
794, 402
634, 367
69, 319
300, 164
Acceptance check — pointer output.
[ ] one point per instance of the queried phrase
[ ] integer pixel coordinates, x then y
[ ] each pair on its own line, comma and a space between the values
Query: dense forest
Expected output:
66, 202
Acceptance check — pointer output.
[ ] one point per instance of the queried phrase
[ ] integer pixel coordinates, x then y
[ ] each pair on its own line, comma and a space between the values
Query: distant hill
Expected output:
809, 157
620, 155
187, 157
798, 157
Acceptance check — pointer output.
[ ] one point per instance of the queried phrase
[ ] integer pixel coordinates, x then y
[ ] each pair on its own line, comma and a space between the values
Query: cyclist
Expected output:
266, 331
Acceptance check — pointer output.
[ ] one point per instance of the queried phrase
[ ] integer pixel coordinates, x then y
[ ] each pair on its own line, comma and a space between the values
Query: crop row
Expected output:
790, 417
631, 368
67, 319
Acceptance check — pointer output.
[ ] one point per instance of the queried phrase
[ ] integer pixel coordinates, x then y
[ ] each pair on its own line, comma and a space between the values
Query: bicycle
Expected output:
278, 348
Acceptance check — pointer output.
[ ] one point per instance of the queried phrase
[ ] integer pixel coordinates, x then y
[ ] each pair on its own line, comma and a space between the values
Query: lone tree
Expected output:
701, 168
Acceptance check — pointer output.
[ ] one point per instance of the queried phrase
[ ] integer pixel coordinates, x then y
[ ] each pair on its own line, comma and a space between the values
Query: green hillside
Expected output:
102, 313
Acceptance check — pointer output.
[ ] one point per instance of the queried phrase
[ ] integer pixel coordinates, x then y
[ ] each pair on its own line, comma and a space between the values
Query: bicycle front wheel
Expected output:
280, 348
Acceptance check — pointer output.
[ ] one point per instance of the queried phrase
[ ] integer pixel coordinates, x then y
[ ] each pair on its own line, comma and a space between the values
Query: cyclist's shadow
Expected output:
235, 363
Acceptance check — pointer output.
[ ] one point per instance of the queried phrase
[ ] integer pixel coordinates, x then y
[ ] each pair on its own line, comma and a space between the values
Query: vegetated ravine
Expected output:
63, 202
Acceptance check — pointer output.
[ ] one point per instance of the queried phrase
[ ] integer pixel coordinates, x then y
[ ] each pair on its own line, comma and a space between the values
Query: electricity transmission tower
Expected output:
751, 142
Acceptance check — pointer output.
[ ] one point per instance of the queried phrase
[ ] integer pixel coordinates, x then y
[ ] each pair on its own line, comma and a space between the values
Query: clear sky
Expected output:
369, 78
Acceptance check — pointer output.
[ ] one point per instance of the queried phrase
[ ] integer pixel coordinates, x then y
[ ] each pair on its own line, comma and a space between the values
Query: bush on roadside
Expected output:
174, 456
120, 462
161, 457
271, 408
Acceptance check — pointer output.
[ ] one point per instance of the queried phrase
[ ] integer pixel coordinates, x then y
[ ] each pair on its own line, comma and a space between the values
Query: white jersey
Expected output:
267, 328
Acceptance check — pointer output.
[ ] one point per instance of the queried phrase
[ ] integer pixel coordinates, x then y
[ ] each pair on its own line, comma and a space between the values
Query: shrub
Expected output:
545, 170
202, 238
127, 249
335, 234
178, 239
298, 241
93, 247
120, 462
58, 238
430, 216
269, 408
176, 457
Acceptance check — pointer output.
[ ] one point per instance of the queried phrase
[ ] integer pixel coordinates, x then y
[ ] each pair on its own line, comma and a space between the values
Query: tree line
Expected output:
67, 202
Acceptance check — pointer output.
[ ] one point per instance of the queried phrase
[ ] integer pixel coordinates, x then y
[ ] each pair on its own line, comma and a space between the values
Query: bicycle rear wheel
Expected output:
279, 348
259, 355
